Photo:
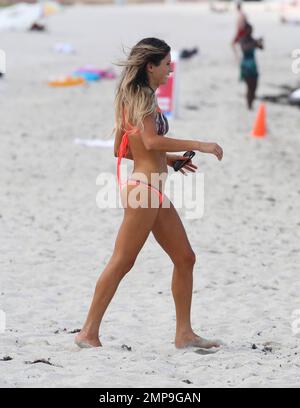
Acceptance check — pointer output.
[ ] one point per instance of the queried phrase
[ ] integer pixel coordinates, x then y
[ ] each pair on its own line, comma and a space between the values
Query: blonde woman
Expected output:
140, 127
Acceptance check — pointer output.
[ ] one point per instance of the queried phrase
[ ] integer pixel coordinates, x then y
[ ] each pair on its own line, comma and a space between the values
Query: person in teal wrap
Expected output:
248, 67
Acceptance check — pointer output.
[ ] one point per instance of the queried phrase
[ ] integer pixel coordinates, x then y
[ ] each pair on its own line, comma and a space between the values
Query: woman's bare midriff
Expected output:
149, 166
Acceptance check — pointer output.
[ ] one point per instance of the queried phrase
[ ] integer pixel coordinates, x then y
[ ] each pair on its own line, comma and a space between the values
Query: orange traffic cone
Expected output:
259, 128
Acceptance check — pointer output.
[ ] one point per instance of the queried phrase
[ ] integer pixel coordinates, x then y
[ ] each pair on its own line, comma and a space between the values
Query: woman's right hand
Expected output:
260, 43
213, 148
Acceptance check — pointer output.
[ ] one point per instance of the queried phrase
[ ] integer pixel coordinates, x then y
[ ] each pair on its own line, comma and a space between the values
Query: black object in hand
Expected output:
180, 163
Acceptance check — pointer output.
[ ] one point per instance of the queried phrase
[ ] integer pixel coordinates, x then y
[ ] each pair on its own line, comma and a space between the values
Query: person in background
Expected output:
248, 66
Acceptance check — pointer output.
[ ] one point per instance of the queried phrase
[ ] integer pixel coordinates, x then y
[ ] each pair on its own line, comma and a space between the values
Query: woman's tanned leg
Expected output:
169, 232
134, 230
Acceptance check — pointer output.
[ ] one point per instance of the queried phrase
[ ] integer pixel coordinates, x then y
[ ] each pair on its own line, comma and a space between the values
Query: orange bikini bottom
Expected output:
137, 182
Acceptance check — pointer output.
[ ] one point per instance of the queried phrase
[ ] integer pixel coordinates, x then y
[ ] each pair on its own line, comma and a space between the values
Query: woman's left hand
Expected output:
188, 167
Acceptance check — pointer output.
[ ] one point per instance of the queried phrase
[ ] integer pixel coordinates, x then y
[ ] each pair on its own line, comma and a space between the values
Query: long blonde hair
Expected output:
133, 92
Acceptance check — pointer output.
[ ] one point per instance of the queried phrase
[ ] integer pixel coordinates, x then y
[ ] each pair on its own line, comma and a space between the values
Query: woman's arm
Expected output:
253, 44
259, 43
152, 141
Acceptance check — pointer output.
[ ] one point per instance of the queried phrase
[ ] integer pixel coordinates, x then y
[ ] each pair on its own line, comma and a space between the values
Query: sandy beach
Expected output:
55, 241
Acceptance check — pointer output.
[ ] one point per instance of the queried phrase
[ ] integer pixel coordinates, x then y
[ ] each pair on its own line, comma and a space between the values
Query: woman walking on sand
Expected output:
248, 67
140, 127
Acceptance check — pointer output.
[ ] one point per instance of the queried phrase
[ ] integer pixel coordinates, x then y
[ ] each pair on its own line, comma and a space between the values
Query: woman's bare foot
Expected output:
192, 340
84, 341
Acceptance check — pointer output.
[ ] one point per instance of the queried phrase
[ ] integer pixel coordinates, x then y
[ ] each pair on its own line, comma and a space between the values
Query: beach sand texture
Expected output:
55, 241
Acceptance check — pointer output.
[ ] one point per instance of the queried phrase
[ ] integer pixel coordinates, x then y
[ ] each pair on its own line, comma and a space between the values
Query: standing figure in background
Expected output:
248, 66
